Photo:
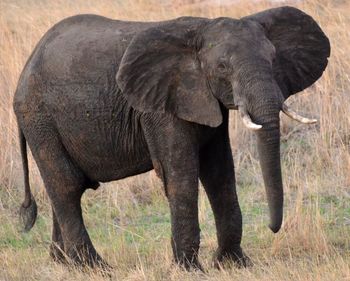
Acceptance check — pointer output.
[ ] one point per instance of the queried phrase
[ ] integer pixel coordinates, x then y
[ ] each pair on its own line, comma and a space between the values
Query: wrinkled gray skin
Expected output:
101, 99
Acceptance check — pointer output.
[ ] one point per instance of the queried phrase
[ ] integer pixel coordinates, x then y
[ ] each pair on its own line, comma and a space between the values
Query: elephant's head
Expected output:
188, 66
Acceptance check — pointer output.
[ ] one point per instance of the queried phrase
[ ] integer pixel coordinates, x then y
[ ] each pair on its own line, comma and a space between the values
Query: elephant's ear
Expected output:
301, 46
160, 72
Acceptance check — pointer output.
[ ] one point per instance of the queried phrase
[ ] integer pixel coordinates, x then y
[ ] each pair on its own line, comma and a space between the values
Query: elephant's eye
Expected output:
222, 67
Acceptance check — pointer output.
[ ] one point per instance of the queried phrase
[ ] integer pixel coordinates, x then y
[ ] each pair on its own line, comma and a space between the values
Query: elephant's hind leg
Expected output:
65, 184
57, 246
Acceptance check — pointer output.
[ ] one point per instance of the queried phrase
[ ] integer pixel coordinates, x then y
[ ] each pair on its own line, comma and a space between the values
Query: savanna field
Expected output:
129, 221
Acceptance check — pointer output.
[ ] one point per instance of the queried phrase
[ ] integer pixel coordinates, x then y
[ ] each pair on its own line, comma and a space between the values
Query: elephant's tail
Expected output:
28, 210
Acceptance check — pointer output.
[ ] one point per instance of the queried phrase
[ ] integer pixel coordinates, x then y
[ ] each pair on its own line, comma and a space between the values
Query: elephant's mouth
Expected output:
232, 106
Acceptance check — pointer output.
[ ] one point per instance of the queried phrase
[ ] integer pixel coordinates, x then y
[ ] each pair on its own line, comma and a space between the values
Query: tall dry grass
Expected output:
316, 159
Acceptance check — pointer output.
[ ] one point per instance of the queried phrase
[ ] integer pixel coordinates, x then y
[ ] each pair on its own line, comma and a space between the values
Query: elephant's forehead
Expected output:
232, 30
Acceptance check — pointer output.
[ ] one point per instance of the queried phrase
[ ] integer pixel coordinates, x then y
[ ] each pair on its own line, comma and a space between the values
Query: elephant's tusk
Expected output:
292, 114
247, 121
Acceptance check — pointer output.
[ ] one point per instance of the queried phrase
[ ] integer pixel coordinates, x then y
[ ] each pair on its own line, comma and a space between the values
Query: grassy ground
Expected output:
129, 220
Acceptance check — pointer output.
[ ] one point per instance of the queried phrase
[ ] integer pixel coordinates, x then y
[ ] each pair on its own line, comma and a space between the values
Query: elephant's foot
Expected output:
85, 256
189, 264
57, 253
237, 257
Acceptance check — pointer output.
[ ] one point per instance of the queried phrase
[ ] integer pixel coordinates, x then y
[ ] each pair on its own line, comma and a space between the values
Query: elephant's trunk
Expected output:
263, 104
269, 152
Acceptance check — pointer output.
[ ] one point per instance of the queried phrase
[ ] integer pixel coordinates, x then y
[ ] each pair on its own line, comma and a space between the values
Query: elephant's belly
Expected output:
109, 171
104, 162
106, 149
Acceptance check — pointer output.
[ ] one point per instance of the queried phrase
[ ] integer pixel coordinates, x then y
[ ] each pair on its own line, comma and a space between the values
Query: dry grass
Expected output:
129, 221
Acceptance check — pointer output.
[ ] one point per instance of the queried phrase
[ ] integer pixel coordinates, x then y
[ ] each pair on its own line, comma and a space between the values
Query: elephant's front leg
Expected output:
182, 193
218, 178
174, 155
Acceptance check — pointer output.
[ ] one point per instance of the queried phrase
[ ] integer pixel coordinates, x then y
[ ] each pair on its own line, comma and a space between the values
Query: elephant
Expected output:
100, 100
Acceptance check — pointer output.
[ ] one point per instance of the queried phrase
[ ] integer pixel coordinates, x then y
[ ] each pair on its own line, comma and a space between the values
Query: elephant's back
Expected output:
86, 48
77, 52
